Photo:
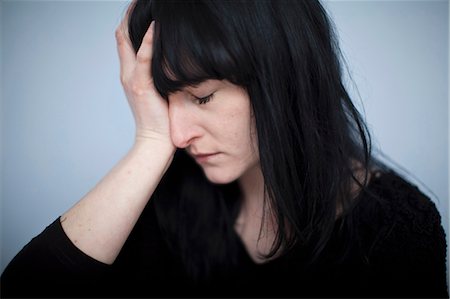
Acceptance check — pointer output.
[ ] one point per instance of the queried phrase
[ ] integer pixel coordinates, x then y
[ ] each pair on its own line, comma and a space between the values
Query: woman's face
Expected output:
213, 122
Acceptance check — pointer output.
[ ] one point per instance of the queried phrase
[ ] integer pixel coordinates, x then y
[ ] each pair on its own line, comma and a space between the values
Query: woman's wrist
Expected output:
151, 148
147, 137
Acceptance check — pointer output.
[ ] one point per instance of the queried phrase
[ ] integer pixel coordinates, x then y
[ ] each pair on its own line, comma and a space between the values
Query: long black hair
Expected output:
310, 135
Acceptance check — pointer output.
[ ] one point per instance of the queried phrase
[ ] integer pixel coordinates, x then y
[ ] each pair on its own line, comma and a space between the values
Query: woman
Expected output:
250, 175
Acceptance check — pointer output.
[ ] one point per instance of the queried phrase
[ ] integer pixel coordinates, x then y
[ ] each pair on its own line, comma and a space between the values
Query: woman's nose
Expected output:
183, 123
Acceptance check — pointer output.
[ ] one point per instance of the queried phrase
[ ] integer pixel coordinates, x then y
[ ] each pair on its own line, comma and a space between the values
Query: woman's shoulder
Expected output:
393, 200
396, 218
401, 236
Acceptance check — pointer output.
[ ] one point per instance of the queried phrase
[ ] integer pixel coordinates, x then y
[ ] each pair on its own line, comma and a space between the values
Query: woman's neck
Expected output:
252, 187
255, 224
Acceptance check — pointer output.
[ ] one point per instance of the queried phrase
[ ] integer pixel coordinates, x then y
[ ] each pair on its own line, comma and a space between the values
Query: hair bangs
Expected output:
190, 46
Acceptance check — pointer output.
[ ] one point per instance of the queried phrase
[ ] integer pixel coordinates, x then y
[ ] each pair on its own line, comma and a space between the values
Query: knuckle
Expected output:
137, 89
143, 58
119, 34
123, 80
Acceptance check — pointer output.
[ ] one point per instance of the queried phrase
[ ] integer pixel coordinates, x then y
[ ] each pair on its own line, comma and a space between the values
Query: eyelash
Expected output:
204, 100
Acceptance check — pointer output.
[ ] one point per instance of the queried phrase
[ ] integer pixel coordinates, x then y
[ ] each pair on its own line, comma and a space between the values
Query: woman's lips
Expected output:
202, 158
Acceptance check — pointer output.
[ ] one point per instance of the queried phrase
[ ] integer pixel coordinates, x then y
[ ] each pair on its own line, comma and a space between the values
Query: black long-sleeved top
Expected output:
399, 251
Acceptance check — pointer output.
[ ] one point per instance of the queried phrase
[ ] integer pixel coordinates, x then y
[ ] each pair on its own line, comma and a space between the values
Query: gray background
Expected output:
65, 121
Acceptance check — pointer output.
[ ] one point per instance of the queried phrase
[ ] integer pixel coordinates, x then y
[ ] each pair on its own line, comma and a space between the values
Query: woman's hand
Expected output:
149, 109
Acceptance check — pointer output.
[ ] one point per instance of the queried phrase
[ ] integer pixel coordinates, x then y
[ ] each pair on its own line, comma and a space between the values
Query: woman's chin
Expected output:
220, 177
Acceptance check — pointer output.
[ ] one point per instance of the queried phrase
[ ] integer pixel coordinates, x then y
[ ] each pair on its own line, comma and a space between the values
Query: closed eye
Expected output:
204, 100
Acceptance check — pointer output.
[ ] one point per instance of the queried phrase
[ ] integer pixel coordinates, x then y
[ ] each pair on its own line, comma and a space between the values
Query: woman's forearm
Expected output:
101, 221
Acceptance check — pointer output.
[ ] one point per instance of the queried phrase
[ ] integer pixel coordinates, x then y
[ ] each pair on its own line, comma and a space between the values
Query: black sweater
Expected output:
399, 250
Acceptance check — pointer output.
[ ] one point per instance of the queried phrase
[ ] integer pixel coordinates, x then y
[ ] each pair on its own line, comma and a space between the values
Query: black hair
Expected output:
310, 136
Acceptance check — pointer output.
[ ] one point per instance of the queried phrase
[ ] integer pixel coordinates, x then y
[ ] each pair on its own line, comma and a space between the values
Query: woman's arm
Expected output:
100, 223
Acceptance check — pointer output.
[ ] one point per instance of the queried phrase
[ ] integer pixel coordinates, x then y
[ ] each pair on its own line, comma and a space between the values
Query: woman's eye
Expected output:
204, 100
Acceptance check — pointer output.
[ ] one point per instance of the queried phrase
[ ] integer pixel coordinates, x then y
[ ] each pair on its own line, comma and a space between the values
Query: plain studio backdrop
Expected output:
65, 120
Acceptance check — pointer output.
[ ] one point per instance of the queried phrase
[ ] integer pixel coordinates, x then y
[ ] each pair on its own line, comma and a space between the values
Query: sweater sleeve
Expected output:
50, 265
408, 258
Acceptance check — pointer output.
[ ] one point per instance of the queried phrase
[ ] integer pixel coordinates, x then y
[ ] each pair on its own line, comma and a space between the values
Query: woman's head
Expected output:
284, 57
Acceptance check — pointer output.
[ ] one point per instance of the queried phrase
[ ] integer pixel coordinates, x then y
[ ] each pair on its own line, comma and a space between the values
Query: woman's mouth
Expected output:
204, 157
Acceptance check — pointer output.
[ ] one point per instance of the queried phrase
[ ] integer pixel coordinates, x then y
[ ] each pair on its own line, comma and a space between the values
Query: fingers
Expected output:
144, 55
127, 56
131, 64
